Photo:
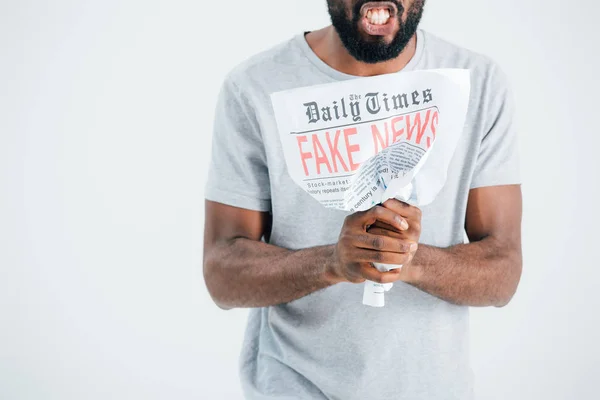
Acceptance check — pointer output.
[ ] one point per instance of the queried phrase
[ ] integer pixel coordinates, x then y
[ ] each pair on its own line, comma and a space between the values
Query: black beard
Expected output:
375, 51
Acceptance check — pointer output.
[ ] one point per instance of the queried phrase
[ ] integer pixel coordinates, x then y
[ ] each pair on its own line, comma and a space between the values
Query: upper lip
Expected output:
392, 7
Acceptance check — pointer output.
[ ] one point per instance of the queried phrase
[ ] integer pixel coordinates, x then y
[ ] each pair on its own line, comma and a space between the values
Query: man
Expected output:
269, 246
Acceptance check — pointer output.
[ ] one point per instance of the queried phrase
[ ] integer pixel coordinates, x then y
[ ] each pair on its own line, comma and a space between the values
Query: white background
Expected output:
105, 123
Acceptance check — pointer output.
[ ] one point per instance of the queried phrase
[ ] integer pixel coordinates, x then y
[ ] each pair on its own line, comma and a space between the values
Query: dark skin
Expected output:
328, 46
485, 272
240, 270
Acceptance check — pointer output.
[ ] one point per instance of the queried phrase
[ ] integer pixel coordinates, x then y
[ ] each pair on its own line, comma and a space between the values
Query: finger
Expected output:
382, 243
412, 235
371, 273
386, 232
379, 213
380, 257
383, 225
403, 209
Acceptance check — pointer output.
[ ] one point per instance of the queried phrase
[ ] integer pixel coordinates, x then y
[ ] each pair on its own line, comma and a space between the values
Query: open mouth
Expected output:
378, 13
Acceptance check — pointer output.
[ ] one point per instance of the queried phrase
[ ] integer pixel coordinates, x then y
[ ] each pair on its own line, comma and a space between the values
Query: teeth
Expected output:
378, 17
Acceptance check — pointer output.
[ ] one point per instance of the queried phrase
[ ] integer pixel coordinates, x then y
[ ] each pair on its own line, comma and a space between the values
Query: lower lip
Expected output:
379, 30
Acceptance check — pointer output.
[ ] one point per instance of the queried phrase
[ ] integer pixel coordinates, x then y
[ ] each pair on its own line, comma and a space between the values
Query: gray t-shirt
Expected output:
328, 345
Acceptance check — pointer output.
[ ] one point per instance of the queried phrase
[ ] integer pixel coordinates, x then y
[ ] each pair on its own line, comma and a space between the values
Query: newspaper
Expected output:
357, 143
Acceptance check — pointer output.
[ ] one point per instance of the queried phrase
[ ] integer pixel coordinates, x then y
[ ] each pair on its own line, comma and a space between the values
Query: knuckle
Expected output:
365, 239
346, 241
403, 246
377, 211
378, 242
394, 203
379, 257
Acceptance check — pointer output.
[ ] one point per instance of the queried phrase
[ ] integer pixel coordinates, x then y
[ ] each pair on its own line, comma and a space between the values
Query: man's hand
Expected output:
484, 272
241, 270
412, 215
385, 234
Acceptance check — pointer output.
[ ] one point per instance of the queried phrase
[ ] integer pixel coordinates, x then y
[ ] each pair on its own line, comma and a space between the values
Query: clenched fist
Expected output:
413, 217
386, 234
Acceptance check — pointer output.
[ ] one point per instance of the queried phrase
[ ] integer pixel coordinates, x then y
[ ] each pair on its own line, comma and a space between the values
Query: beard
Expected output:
374, 49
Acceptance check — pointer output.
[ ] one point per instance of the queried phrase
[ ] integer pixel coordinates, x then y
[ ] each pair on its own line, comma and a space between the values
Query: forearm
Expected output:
247, 273
483, 273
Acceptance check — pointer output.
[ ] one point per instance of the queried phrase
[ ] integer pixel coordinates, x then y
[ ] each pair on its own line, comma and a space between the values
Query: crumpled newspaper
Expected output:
357, 143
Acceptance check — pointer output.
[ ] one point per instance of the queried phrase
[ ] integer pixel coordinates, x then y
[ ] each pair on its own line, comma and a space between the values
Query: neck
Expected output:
328, 46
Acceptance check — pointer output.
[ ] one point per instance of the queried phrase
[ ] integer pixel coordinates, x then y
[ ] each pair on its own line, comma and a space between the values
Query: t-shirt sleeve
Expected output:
238, 174
498, 158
